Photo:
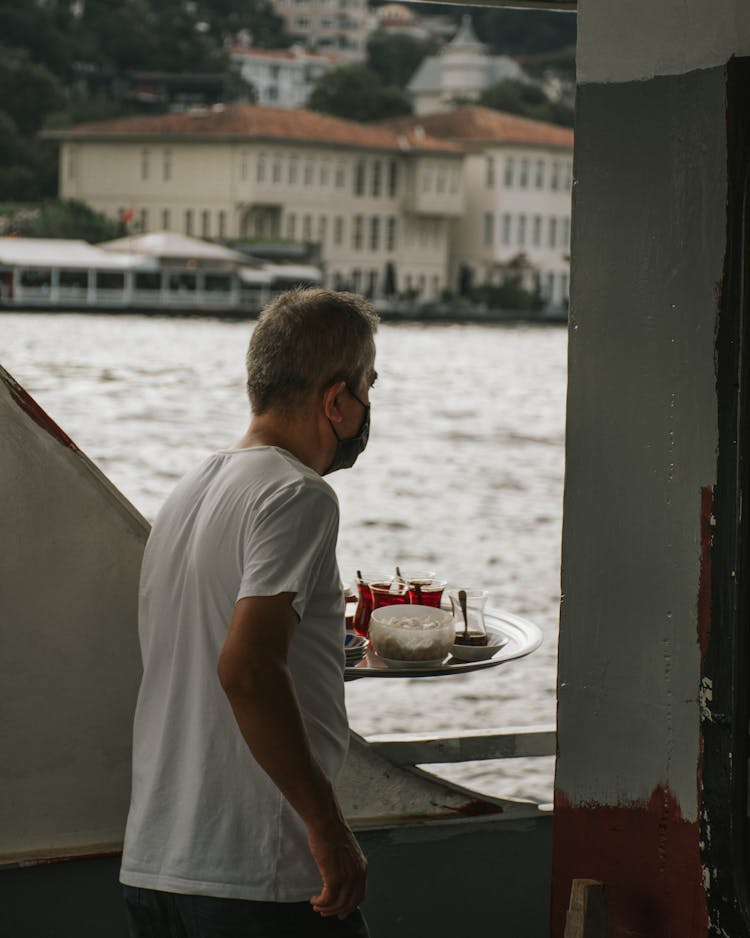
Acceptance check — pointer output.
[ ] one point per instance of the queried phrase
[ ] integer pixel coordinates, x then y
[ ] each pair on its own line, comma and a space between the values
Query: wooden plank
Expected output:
413, 749
586, 916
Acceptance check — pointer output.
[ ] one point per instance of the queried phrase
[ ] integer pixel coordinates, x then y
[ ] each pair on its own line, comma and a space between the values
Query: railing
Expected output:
412, 749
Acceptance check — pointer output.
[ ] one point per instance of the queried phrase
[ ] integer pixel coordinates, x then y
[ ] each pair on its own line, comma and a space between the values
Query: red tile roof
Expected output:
474, 124
252, 122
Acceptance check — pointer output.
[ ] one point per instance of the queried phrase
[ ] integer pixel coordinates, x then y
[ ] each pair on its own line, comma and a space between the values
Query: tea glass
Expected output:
476, 600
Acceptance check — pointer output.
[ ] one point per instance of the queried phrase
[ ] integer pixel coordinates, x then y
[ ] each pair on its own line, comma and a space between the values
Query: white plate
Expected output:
480, 652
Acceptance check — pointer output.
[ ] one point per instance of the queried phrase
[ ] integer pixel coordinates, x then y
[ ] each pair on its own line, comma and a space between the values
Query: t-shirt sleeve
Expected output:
287, 542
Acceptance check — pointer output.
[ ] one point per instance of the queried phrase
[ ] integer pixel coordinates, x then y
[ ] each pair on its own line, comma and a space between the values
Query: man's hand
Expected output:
343, 868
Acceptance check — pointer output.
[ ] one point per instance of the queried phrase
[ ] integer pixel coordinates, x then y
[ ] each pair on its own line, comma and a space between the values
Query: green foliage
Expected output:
561, 61
395, 58
356, 93
508, 295
514, 32
71, 219
28, 91
517, 97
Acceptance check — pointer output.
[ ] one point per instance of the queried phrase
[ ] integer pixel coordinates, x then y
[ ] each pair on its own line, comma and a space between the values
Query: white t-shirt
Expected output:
204, 817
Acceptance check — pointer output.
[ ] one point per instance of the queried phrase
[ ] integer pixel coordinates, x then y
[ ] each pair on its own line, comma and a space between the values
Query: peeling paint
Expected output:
645, 853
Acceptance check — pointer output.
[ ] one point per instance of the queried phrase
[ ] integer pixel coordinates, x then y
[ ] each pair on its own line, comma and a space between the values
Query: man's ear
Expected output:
332, 401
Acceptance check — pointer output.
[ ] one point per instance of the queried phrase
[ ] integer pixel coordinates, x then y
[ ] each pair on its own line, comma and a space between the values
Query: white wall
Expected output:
631, 40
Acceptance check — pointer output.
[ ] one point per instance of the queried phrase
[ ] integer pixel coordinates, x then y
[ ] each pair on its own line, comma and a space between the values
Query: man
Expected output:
240, 729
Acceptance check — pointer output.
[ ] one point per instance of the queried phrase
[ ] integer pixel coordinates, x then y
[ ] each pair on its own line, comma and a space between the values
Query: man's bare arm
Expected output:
253, 671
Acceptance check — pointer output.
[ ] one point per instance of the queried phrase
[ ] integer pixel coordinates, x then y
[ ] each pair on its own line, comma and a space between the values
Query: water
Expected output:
463, 474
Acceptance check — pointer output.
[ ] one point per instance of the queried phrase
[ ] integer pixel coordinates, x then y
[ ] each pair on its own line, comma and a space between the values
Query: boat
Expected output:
648, 835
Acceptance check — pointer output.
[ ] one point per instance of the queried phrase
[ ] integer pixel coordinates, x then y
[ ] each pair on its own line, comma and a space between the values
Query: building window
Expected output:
72, 162
356, 280
507, 227
243, 166
510, 172
340, 175
206, 223
167, 165
309, 173
374, 233
390, 233
358, 232
524, 180
427, 179
260, 168
189, 222
359, 177
565, 233
222, 224
165, 220
521, 230
276, 169
393, 179
539, 178
377, 170
489, 172
322, 228
325, 172
536, 231
563, 288
372, 283
338, 230
307, 228
441, 180
292, 170
454, 180
554, 182
488, 225
552, 240
145, 163
291, 227
550, 291
143, 220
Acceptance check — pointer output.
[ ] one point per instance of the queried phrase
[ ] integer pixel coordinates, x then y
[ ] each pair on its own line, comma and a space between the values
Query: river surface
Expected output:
463, 475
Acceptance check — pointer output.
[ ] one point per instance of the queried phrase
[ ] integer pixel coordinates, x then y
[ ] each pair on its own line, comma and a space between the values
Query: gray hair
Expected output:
305, 340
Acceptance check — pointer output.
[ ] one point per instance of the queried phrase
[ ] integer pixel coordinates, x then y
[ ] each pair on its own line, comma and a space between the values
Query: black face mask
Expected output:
347, 450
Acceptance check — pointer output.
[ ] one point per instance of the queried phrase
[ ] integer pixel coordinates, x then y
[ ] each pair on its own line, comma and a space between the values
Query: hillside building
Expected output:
459, 72
327, 25
282, 77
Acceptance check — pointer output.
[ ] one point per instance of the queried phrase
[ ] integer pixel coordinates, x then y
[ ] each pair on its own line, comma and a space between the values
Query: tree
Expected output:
356, 93
69, 219
28, 91
513, 32
395, 58
528, 100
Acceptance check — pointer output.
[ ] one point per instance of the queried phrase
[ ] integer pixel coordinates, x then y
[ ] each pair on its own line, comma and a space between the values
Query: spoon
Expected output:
462, 602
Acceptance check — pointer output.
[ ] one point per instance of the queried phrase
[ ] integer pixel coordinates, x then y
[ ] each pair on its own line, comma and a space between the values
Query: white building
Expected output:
518, 179
327, 25
459, 73
379, 203
282, 77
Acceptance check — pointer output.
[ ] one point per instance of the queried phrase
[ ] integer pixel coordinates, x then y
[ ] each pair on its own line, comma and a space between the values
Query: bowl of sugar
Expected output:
411, 636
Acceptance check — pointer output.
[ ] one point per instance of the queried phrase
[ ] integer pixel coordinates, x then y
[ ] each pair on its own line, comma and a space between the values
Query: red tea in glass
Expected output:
366, 602
389, 594
426, 592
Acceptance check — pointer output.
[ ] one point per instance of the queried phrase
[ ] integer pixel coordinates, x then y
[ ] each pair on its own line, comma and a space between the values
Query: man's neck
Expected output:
296, 434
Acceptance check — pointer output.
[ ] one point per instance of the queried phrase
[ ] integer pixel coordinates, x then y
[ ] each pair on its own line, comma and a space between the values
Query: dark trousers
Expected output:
154, 914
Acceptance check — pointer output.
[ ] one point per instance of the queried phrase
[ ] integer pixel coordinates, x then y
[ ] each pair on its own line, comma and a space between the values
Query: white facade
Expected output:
517, 209
377, 216
281, 77
460, 72
327, 25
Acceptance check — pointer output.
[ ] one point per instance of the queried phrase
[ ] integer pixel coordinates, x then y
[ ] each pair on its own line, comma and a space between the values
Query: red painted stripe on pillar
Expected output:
646, 854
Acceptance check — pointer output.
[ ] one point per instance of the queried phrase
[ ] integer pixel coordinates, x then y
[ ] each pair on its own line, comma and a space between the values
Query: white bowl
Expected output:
411, 634
480, 652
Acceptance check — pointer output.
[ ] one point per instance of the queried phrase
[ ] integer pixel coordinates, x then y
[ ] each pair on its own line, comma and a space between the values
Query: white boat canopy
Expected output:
59, 252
